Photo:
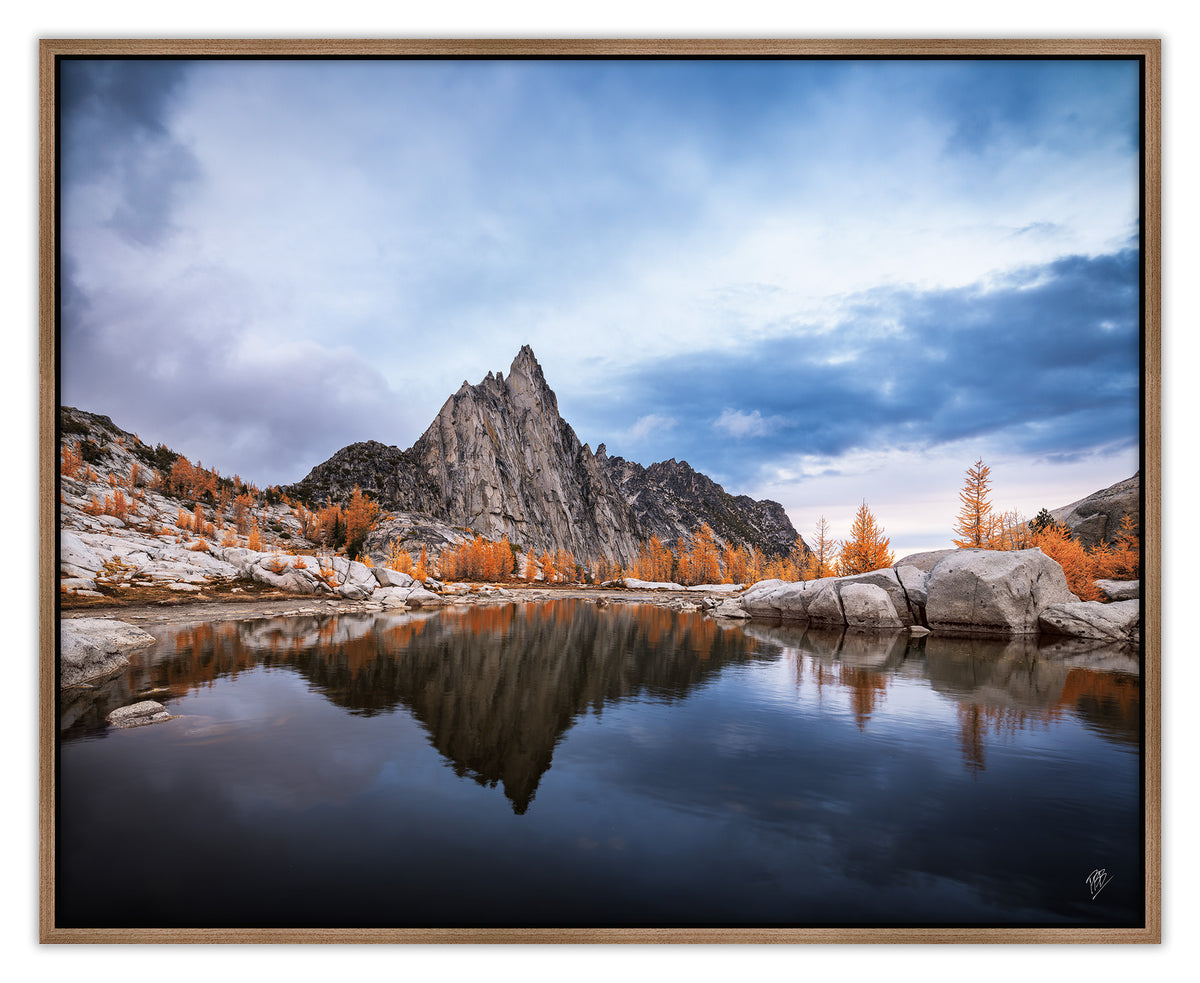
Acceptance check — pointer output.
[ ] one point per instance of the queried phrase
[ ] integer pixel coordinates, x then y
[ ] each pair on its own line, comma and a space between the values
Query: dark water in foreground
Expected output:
561, 764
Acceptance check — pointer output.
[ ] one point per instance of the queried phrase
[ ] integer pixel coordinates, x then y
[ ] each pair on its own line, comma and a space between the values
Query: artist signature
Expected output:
1096, 881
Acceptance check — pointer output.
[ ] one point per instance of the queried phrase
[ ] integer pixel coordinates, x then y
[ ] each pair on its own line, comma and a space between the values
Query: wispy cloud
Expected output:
651, 424
737, 423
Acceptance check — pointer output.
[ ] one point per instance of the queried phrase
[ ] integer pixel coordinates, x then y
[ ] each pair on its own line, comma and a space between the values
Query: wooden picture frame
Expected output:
1148, 51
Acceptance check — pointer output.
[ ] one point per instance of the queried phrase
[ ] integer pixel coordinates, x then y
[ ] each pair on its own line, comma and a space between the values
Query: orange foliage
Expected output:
229, 537
241, 513
327, 573
1120, 560
476, 559
184, 519
422, 571
564, 563
1068, 553
822, 559
399, 559
867, 547
654, 562
1009, 531
72, 461
972, 521
134, 470
705, 561
548, 571
93, 507
116, 505
736, 563
255, 537
360, 516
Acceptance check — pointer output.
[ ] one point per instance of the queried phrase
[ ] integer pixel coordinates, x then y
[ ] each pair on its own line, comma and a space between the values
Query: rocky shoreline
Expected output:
948, 593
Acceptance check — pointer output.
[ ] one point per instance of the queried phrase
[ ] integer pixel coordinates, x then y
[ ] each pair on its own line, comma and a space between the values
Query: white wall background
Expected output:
615, 18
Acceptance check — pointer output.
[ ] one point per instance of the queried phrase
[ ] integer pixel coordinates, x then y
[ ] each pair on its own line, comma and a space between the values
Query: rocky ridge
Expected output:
671, 500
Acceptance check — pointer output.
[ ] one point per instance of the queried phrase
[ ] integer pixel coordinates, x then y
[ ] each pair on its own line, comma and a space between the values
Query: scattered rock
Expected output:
1120, 590
729, 608
139, 714
1118, 621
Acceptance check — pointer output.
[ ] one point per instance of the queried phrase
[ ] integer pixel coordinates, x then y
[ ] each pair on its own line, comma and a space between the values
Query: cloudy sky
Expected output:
820, 282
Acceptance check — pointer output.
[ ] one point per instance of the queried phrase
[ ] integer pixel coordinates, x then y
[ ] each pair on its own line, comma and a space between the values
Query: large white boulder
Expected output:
825, 607
888, 581
760, 600
914, 580
993, 592
90, 648
868, 606
1119, 621
387, 577
358, 581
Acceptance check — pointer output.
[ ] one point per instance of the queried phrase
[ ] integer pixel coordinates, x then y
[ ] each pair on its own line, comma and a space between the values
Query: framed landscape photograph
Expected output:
600, 491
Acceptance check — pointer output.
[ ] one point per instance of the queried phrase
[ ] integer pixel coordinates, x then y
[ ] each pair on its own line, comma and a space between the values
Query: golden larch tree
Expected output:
706, 561
867, 547
822, 558
736, 563
972, 524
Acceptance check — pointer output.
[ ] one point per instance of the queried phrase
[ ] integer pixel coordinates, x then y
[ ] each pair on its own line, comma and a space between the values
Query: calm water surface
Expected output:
564, 764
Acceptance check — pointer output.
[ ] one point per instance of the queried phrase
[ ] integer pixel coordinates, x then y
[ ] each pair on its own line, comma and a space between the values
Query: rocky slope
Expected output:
499, 460
1098, 516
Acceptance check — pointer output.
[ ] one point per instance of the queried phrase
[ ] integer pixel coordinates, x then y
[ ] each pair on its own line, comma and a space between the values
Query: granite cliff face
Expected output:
499, 460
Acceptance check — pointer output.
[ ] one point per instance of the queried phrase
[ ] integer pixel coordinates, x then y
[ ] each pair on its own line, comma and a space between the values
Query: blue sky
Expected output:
820, 282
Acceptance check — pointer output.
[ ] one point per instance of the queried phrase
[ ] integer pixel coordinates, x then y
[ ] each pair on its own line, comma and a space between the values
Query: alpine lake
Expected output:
574, 763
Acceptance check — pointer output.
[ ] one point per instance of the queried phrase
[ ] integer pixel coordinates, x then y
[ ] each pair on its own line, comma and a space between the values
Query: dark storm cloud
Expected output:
114, 125
198, 379
1043, 360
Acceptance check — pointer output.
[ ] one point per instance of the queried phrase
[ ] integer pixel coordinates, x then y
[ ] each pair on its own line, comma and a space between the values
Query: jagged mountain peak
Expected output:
500, 460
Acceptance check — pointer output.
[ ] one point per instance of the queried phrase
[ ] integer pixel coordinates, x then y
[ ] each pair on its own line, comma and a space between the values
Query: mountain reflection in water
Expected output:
657, 767
496, 686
